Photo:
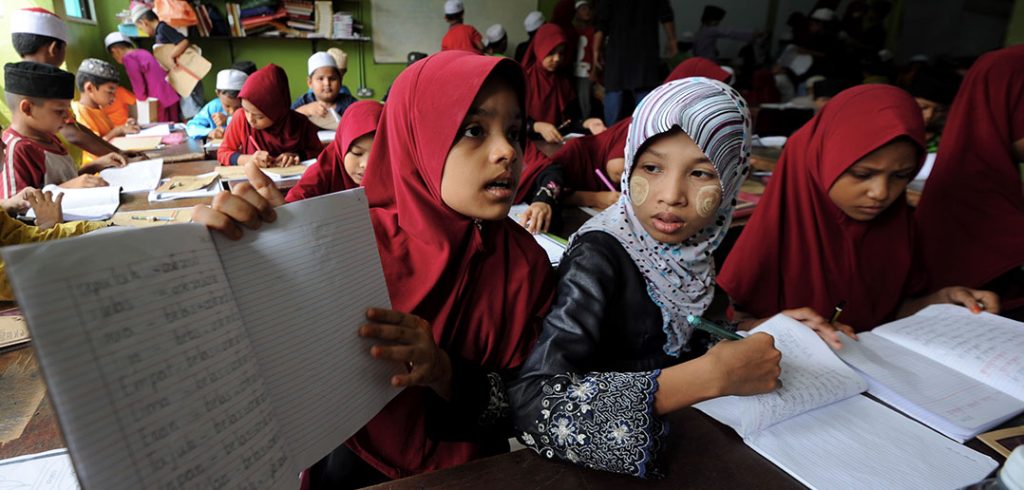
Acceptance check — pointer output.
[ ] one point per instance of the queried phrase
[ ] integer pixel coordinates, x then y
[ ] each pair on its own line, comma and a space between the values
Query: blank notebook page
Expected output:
303, 284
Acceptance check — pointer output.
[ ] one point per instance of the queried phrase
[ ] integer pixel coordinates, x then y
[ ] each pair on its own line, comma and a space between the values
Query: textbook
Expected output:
956, 372
180, 359
87, 203
819, 428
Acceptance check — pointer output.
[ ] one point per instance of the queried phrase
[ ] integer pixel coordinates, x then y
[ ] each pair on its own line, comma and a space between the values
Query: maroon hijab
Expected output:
483, 286
800, 249
267, 89
698, 67
971, 215
547, 93
328, 174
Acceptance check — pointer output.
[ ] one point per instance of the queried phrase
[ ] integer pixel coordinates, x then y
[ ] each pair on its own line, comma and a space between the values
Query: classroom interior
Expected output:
44, 437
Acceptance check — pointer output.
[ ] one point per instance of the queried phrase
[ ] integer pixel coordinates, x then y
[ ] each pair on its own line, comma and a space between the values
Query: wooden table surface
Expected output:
187, 151
139, 201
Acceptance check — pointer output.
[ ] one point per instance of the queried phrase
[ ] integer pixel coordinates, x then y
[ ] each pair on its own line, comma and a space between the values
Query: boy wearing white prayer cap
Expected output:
496, 41
212, 120
531, 23
327, 97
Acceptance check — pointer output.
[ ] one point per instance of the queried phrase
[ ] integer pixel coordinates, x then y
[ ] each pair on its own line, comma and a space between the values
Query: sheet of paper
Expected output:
147, 361
320, 253
986, 347
136, 176
162, 129
553, 246
152, 217
235, 172
812, 376
858, 443
186, 187
93, 203
326, 135
942, 398
50, 470
137, 143
13, 331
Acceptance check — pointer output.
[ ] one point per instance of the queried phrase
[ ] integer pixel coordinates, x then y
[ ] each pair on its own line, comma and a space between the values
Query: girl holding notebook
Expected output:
342, 165
834, 227
265, 130
617, 349
468, 286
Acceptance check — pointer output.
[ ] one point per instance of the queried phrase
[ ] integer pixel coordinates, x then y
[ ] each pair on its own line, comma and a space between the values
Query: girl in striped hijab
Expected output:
616, 351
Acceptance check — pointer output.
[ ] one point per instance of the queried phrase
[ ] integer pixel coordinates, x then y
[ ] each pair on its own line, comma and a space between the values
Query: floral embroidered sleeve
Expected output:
564, 406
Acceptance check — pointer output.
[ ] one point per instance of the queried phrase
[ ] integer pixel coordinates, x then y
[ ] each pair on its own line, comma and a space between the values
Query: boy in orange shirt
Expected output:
97, 88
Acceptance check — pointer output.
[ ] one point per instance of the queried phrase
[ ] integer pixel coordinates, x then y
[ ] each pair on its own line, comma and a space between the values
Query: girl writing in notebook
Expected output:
617, 349
833, 225
342, 165
550, 99
265, 130
468, 286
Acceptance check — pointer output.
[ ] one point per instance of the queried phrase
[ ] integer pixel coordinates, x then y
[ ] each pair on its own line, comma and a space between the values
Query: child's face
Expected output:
149, 27
674, 188
255, 117
118, 54
325, 83
48, 117
872, 184
357, 156
231, 104
483, 166
929, 110
102, 95
614, 168
553, 59
584, 13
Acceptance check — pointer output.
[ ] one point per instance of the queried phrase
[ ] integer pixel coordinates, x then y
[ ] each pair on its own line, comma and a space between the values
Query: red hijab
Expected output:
547, 93
699, 67
971, 215
328, 174
483, 286
800, 249
462, 37
267, 89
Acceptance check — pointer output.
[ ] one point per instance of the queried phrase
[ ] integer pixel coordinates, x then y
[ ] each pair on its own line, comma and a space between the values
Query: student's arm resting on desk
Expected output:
85, 139
13, 232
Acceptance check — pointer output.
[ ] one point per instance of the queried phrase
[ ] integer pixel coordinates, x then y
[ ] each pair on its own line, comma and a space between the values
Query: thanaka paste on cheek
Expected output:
708, 199
638, 190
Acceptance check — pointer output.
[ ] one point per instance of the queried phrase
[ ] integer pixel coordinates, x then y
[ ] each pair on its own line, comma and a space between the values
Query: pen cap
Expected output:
1012, 474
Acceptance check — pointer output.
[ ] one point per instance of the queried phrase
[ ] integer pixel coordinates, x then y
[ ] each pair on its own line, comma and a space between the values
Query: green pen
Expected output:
711, 328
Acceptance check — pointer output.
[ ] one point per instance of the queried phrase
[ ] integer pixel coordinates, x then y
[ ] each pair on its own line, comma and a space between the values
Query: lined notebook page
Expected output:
147, 361
986, 347
858, 443
303, 284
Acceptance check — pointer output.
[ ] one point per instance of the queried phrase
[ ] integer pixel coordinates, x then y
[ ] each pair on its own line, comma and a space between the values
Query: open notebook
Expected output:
818, 428
90, 203
177, 358
957, 372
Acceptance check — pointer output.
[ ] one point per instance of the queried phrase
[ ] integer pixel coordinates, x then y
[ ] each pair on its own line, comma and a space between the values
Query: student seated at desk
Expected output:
216, 114
439, 184
97, 87
971, 215
616, 351
834, 226
122, 108
570, 176
265, 130
327, 98
342, 164
40, 99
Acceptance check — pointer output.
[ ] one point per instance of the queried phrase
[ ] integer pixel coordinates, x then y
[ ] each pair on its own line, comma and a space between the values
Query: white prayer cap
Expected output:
138, 11
495, 33
885, 55
824, 15
116, 37
533, 21
320, 59
340, 58
38, 21
452, 7
580, 3
231, 79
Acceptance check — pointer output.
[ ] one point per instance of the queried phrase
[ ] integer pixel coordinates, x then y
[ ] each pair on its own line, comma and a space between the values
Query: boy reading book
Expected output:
327, 98
97, 88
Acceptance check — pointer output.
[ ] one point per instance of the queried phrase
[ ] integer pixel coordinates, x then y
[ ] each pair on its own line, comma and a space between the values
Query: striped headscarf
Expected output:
680, 278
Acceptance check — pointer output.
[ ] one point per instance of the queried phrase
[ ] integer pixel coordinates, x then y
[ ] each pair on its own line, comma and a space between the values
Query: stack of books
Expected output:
300, 15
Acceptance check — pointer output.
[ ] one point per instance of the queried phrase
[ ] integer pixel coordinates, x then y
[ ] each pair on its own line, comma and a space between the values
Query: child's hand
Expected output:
595, 125
286, 160
219, 119
216, 134
18, 204
82, 181
548, 131
409, 340
972, 299
829, 332
262, 159
130, 127
313, 109
249, 204
536, 218
745, 367
48, 210
112, 159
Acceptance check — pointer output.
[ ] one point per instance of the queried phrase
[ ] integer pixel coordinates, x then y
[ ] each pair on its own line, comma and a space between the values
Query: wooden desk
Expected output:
42, 432
139, 201
187, 151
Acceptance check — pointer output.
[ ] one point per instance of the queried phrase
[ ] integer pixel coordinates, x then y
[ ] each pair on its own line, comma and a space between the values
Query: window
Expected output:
80, 10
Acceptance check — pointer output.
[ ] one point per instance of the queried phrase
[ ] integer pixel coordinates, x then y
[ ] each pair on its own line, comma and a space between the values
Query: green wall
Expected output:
1015, 29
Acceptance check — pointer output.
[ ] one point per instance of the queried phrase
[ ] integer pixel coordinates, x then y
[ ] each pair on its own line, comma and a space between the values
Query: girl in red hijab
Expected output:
549, 93
834, 226
468, 285
971, 214
265, 130
342, 164
699, 67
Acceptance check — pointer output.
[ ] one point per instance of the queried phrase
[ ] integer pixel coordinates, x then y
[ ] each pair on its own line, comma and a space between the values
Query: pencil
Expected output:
838, 309
604, 179
253, 141
564, 124
711, 328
